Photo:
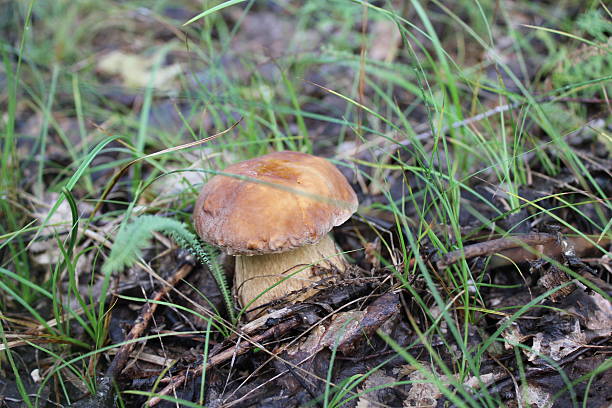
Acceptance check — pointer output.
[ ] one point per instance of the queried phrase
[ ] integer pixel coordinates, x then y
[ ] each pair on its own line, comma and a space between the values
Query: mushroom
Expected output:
274, 213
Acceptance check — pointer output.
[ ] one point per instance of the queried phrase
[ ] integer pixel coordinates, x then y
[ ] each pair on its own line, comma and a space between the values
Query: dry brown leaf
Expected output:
371, 397
423, 393
533, 396
559, 346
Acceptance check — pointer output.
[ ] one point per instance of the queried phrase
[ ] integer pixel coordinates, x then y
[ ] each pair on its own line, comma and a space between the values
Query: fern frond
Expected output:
134, 237
130, 241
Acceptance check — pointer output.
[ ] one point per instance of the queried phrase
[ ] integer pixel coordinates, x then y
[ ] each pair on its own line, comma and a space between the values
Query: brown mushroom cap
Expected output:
277, 202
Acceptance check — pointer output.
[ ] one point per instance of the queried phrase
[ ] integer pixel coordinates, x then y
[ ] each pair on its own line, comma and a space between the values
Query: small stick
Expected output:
494, 246
518, 248
225, 355
532, 372
455, 125
104, 396
494, 111
146, 313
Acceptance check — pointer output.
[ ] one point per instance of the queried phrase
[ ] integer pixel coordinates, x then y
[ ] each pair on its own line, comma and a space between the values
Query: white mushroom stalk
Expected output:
261, 279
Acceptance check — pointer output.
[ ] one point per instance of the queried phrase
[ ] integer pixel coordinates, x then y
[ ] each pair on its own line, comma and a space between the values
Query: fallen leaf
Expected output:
533, 396
386, 40
374, 388
137, 71
423, 393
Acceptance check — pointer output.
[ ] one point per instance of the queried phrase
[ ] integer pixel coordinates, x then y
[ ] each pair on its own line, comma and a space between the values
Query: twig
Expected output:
241, 348
104, 396
530, 373
122, 356
494, 246
456, 125
496, 110
519, 248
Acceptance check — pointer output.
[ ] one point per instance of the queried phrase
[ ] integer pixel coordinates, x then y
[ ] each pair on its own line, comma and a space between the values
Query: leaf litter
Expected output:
285, 358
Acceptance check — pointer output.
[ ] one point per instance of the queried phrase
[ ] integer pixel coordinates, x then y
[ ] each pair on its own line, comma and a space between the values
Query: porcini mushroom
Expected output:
274, 213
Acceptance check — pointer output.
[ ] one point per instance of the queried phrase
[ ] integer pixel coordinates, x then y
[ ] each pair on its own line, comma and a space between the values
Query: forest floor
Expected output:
477, 135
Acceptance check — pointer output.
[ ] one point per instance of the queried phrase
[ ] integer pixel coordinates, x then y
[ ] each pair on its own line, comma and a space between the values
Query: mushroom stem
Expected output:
296, 269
